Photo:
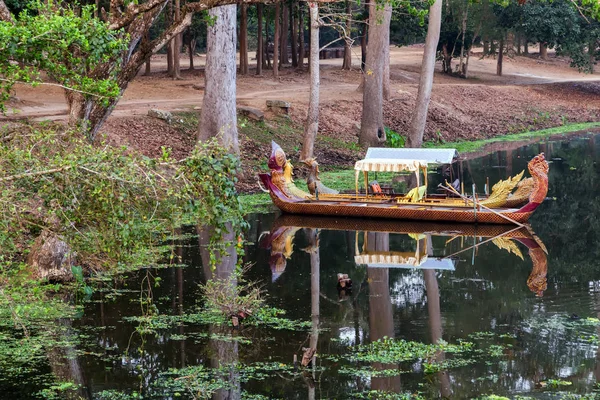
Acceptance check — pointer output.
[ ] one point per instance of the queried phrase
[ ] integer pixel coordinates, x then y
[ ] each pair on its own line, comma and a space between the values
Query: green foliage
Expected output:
394, 139
73, 48
109, 204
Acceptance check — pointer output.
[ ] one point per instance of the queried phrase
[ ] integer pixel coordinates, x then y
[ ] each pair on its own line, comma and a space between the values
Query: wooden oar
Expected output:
450, 188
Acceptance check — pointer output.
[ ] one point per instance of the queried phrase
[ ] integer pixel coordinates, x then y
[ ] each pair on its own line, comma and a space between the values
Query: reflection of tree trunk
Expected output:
65, 365
435, 325
381, 316
315, 290
224, 354
509, 163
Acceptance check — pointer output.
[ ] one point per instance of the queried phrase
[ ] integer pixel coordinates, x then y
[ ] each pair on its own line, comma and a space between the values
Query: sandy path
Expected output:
158, 91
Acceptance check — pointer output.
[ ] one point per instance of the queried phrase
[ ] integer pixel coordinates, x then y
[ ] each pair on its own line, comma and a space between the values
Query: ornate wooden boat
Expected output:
413, 206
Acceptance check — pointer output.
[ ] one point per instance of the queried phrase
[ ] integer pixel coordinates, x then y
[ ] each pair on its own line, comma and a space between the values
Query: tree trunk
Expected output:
312, 118
294, 35
592, 54
265, 49
276, 40
526, 46
363, 38
461, 65
446, 59
192, 50
177, 45
259, 39
170, 58
519, 35
417, 125
486, 48
218, 117
285, 18
170, 44
347, 65
5, 14
372, 132
387, 91
300, 36
148, 70
244, 40
543, 51
500, 57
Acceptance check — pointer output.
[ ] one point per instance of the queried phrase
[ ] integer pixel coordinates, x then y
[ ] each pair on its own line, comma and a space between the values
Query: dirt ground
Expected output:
532, 94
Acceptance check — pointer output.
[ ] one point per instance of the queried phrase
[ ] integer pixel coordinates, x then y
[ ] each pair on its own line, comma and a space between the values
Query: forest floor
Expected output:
532, 94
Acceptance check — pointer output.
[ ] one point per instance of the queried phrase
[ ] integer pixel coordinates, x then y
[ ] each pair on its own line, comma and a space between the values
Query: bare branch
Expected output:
133, 11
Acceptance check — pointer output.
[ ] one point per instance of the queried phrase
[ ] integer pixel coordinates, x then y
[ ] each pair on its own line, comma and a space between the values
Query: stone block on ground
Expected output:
161, 114
250, 112
279, 106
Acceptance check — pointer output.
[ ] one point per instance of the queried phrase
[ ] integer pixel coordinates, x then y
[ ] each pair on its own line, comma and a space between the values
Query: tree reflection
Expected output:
224, 355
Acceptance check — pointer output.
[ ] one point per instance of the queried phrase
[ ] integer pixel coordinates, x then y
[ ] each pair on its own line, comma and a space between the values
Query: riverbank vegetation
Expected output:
108, 204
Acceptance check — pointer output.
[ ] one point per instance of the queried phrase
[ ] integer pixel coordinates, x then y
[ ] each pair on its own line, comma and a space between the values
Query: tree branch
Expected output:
133, 11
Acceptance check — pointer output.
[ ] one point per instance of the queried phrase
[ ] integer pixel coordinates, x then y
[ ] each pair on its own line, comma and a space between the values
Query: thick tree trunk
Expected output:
259, 39
294, 34
363, 38
417, 125
170, 58
500, 57
312, 119
177, 45
244, 40
372, 132
276, 40
218, 117
285, 18
543, 51
387, 91
300, 36
347, 64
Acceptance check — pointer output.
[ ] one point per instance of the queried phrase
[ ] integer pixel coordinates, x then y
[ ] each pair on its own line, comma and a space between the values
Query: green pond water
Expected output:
514, 321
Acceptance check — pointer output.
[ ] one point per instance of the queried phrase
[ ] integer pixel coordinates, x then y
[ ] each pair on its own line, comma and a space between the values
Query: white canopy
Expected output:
431, 156
389, 165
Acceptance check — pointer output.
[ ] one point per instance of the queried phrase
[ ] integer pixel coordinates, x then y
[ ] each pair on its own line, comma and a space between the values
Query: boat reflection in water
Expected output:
280, 240
374, 250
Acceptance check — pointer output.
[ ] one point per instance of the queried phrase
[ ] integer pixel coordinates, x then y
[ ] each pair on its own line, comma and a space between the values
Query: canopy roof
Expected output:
389, 165
428, 156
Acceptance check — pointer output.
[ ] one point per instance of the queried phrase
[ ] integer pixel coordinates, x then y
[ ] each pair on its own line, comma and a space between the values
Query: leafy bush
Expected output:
109, 204
394, 139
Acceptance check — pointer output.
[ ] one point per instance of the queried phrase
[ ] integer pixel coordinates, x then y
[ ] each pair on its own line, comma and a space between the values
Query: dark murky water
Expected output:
531, 316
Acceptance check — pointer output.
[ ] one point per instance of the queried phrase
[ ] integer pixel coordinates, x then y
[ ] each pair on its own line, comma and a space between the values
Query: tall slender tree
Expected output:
218, 117
312, 119
259, 39
244, 40
276, 40
417, 124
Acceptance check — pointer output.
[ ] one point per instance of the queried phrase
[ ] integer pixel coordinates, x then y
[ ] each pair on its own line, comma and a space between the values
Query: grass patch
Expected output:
472, 146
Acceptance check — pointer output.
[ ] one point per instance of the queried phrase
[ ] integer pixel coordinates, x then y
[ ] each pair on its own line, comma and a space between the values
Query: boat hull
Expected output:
399, 211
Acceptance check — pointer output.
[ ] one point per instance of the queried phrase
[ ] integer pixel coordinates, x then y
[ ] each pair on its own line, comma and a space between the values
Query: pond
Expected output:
433, 310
